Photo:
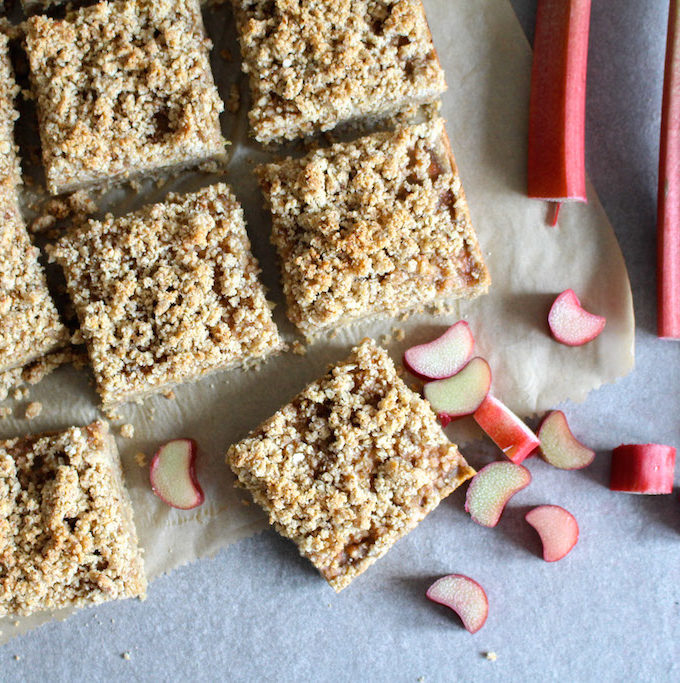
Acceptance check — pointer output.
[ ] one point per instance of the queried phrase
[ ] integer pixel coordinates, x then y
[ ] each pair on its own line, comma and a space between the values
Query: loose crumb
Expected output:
17, 658
126, 656
226, 55
16, 623
245, 502
398, 334
33, 409
491, 656
298, 348
5, 411
127, 431
20, 394
170, 395
140, 458
233, 103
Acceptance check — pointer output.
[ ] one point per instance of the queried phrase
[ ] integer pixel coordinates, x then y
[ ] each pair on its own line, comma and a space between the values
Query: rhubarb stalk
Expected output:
642, 468
556, 169
668, 228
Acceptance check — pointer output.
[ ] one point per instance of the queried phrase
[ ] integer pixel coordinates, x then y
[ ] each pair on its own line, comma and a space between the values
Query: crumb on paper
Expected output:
170, 394
126, 656
420, 679
298, 348
17, 658
33, 409
398, 334
233, 103
127, 431
16, 623
20, 393
491, 656
5, 411
140, 458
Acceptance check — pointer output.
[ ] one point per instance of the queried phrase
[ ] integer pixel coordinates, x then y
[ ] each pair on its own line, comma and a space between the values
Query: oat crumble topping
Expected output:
33, 409
350, 465
123, 88
167, 294
67, 537
375, 226
316, 64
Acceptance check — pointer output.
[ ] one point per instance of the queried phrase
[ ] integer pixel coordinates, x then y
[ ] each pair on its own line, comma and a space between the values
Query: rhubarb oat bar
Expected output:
376, 226
350, 465
313, 65
67, 536
123, 88
29, 322
167, 294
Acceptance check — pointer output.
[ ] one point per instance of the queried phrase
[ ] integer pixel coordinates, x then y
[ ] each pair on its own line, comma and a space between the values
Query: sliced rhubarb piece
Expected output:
461, 394
491, 488
642, 468
668, 214
570, 323
464, 596
557, 528
444, 356
173, 474
556, 168
506, 430
559, 446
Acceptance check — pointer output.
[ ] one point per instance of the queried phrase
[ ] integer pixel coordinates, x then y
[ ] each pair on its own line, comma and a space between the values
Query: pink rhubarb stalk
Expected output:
642, 468
668, 228
556, 169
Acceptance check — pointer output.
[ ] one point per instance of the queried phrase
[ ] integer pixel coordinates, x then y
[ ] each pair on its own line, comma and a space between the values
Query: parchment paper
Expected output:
487, 63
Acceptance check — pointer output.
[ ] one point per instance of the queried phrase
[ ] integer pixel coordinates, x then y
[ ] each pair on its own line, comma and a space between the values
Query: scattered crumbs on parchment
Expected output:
140, 458
298, 348
233, 103
33, 409
398, 334
16, 623
126, 656
20, 394
491, 656
17, 658
169, 394
127, 431
420, 679
5, 411
226, 55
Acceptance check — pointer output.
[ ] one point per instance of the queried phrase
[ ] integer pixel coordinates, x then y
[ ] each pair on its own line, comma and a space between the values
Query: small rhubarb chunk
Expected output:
570, 323
642, 468
506, 430
461, 394
464, 596
173, 474
444, 356
559, 446
491, 489
557, 528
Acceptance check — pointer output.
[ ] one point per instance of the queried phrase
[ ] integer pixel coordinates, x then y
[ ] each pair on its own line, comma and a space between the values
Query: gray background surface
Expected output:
610, 611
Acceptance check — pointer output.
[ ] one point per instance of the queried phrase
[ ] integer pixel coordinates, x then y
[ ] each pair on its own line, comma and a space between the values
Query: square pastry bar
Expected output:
350, 465
123, 89
167, 294
29, 322
67, 537
376, 226
313, 65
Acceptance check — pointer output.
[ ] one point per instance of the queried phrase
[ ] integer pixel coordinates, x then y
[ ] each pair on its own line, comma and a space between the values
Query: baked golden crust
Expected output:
167, 294
123, 88
67, 537
376, 226
350, 465
29, 322
313, 65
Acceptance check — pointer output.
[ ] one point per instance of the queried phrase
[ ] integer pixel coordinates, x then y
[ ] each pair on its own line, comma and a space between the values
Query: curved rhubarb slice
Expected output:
556, 165
461, 394
570, 323
444, 356
173, 474
506, 430
642, 468
491, 489
464, 596
557, 528
559, 446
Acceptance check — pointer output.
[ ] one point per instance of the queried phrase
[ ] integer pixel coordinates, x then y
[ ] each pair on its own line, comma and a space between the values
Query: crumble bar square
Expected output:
29, 322
350, 465
167, 294
376, 226
67, 537
313, 65
123, 89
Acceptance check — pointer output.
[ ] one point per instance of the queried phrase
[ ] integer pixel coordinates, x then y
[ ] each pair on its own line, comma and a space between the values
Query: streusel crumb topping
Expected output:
167, 294
379, 225
350, 465
67, 537
123, 88
315, 64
